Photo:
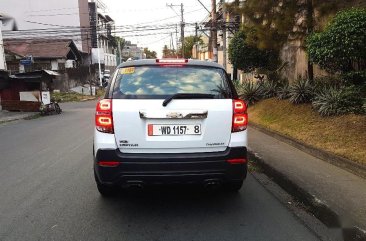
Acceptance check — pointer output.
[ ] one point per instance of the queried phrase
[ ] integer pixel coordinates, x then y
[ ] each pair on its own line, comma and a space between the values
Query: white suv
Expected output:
168, 121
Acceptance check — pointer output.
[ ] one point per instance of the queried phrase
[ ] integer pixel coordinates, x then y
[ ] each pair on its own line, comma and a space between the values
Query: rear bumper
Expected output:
170, 168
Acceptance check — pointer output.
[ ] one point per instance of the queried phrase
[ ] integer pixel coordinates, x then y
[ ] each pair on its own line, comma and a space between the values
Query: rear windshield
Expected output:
145, 82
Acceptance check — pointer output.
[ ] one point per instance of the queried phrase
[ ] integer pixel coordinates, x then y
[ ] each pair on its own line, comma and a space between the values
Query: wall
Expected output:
72, 77
41, 14
84, 23
294, 54
296, 61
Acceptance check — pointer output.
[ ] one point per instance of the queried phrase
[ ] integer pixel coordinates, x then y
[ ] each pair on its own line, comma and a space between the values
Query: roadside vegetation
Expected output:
342, 135
74, 97
327, 112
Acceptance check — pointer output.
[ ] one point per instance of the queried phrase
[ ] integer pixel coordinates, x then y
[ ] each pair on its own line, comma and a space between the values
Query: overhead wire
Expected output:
59, 33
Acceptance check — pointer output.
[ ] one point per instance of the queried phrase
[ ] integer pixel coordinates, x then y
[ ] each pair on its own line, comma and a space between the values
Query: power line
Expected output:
159, 40
77, 29
55, 9
181, 23
88, 30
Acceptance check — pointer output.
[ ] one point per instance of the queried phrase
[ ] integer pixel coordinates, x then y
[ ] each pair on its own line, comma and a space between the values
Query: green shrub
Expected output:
269, 88
283, 92
302, 91
342, 44
355, 77
333, 101
247, 57
251, 92
321, 83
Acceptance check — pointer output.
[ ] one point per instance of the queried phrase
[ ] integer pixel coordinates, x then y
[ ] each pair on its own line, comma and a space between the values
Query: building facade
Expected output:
103, 46
83, 21
59, 55
204, 51
132, 51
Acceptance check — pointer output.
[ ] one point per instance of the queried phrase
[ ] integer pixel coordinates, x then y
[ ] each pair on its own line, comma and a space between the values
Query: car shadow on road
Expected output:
177, 201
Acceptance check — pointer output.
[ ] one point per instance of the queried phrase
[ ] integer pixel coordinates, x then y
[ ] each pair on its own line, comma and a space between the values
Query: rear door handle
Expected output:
174, 115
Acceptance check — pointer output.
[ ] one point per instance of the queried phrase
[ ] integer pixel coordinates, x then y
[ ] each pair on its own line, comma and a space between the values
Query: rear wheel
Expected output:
234, 186
58, 109
106, 190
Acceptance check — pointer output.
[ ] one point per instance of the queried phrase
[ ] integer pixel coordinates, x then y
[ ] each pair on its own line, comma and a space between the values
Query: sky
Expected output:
152, 14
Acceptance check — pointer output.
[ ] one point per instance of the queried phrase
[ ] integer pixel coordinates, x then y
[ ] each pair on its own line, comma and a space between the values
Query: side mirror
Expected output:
105, 84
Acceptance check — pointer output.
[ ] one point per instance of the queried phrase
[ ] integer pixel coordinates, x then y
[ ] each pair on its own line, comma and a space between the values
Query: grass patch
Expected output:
342, 135
74, 97
33, 117
253, 166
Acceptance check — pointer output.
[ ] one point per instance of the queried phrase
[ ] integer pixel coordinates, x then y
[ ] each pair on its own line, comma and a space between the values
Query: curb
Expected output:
317, 207
83, 100
15, 118
344, 163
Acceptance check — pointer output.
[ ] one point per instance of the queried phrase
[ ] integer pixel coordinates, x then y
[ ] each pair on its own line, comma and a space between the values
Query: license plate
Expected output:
173, 130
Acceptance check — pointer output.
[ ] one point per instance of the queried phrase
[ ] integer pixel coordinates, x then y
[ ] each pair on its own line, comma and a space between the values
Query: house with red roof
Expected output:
59, 55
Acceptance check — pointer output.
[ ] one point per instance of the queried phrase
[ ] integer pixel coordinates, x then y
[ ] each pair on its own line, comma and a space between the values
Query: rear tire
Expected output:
106, 190
234, 186
58, 109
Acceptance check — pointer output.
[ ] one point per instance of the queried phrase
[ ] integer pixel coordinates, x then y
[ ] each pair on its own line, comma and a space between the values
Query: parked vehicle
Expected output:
107, 74
51, 108
170, 121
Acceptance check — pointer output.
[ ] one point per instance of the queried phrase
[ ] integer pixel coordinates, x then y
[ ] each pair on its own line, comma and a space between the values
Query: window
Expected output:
153, 82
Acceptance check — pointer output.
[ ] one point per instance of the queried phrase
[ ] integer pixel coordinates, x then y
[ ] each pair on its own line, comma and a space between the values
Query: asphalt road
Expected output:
47, 192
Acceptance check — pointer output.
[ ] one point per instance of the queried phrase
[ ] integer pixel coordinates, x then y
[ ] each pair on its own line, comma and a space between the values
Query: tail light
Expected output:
240, 116
103, 116
108, 163
237, 161
172, 62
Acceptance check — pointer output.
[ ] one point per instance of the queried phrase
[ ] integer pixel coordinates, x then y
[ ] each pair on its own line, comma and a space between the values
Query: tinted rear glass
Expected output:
162, 81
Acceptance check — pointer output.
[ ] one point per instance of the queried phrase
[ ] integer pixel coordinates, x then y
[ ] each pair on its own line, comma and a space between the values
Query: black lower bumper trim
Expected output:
171, 167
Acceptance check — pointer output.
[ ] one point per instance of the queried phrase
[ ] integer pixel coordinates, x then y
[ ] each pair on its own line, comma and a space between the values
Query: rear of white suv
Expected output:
170, 121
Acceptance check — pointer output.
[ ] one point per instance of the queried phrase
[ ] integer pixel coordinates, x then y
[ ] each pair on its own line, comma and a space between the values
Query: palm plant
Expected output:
249, 91
302, 91
269, 88
338, 101
283, 92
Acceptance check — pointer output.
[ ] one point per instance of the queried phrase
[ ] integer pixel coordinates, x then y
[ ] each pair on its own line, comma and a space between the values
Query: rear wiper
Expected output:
187, 96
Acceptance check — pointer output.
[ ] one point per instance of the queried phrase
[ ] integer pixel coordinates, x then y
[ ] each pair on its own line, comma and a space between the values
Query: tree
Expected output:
341, 46
119, 44
189, 42
150, 54
247, 57
270, 24
273, 22
168, 53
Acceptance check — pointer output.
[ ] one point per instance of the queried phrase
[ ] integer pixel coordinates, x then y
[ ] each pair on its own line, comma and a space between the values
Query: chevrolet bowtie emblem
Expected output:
174, 115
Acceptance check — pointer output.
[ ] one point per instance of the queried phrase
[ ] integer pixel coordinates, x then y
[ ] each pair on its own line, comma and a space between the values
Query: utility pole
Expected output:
176, 39
224, 32
181, 23
214, 31
2, 53
196, 40
171, 41
99, 65
182, 28
91, 62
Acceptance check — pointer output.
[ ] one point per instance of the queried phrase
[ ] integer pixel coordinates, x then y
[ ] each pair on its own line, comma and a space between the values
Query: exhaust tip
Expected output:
212, 184
135, 185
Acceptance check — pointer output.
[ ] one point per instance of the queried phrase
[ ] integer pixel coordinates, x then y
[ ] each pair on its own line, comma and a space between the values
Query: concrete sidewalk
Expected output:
6, 116
339, 195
